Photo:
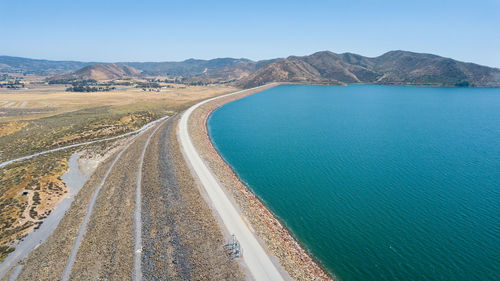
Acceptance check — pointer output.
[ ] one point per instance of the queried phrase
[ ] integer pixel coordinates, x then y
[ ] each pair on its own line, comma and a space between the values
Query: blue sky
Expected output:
154, 30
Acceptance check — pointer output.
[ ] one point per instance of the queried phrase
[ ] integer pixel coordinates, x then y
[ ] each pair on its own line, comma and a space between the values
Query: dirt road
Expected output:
180, 237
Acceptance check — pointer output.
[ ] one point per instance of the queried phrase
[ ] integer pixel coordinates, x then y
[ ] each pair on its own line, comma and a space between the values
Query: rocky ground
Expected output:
294, 259
48, 260
181, 238
106, 251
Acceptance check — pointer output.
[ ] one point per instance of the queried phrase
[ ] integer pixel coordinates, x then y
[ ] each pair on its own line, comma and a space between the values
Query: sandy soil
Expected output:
74, 180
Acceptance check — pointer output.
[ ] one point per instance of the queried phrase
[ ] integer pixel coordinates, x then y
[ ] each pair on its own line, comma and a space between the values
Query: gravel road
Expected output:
181, 239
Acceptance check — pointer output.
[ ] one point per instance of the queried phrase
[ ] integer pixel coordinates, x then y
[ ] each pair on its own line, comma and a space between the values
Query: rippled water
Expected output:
379, 182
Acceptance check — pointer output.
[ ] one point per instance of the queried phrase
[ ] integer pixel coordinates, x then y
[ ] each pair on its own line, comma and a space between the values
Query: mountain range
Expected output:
39, 67
394, 67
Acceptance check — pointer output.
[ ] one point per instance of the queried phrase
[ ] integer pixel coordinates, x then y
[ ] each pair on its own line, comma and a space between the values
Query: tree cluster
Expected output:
83, 88
148, 85
13, 85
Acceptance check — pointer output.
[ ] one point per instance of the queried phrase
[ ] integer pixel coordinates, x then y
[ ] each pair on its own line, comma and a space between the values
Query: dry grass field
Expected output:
46, 100
42, 117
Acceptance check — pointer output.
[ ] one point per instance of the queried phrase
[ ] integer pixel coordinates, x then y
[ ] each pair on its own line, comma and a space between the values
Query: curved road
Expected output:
109, 257
104, 237
255, 257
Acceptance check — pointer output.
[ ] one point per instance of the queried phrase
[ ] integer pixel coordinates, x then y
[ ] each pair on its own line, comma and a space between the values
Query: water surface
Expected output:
378, 182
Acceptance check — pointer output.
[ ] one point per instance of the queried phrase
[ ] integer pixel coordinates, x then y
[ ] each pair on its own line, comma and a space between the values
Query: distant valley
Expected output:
395, 67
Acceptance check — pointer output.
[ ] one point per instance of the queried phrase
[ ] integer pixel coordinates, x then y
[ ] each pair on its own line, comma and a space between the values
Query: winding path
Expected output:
255, 257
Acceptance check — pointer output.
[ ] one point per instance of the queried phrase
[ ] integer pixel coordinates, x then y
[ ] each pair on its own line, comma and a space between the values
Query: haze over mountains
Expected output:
395, 67
220, 68
39, 67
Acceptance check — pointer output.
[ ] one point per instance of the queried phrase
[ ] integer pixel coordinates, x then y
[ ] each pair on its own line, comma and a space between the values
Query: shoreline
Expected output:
294, 258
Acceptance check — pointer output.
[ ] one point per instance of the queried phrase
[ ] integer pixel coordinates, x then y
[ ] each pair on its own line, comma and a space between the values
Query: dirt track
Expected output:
181, 238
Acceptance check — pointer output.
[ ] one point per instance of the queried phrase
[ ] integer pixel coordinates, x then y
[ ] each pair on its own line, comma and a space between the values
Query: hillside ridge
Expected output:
394, 67
325, 67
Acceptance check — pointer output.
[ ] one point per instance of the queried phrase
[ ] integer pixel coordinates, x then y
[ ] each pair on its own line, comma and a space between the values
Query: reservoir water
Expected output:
377, 182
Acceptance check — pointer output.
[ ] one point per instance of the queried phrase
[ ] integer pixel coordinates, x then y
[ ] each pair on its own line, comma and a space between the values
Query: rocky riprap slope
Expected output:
280, 243
181, 238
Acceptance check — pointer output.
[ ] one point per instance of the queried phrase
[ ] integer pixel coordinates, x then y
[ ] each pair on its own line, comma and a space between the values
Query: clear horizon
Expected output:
153, 31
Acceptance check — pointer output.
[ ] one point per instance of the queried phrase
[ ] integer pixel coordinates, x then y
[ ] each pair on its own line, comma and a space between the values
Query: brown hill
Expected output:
100, 72
395, 67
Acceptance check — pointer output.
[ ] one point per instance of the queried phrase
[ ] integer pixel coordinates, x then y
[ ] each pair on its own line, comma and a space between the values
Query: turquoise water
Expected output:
378, 182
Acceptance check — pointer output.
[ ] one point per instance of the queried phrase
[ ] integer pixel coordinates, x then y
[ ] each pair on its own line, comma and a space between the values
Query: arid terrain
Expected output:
140, 191
44, 117
144, 210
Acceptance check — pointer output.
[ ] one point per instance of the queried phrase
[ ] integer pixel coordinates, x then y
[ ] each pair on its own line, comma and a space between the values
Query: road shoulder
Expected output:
281, 245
